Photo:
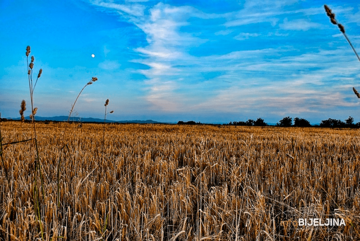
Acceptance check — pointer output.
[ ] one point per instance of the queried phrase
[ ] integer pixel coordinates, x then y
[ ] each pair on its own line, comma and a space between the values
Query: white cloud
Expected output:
109, 65
224, 32
136, 1
132, 9
243, 36
299, 24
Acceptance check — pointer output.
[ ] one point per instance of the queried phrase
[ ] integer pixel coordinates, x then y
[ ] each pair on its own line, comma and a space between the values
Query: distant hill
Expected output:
89, 119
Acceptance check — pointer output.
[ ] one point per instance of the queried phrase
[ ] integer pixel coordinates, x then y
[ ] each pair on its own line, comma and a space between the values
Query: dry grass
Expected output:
182, 182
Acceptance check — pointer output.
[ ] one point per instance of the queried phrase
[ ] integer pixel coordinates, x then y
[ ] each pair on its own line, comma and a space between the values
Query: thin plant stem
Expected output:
72, 108
37, 159
351, 46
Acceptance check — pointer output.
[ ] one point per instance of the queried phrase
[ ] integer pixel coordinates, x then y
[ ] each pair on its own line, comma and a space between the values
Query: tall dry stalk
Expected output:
93, 79
331, 15
103, 142
32, 87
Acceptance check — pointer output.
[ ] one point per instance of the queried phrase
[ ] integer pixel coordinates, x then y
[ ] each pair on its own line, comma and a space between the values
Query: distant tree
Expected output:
241, 123
250, 122
299, 122
326, 123
350, 122
332, 123
181, 123
230, 123
285, 122
260, 122
191, 122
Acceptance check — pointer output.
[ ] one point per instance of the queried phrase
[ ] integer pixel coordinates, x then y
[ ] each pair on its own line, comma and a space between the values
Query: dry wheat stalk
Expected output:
93, 79
331, 15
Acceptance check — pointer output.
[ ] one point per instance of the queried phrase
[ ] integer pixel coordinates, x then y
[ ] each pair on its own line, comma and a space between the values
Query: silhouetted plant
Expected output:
299, 122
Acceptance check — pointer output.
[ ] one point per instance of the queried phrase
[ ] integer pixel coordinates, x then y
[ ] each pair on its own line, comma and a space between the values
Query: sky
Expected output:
208, 61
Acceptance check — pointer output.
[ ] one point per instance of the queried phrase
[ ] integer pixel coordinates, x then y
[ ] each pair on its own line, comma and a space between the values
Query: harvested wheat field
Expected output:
171, 182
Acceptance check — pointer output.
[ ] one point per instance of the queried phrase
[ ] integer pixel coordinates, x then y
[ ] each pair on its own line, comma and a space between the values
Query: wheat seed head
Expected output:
327, 9
34, 111
32, 59
23, 105
106, 102
89, 83
356, 93
27, 51
40, 72
330, 14
342, 29
94, 79
111, 112
31, 65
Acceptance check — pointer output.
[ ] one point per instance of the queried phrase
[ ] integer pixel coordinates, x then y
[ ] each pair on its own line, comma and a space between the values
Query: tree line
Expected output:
289, 122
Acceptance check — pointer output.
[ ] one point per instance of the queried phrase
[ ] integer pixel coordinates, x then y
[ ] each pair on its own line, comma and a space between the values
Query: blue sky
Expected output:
208, 61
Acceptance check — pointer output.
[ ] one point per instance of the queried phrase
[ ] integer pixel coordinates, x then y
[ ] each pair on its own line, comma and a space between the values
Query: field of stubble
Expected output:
171, 182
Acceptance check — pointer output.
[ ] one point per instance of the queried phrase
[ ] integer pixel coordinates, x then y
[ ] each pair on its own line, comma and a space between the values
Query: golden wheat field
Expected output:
172, 182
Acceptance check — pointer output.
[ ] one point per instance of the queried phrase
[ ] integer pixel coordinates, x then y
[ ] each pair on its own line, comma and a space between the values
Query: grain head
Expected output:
342, 29
356, 93
23, 105
27, 51
40, 72
34, 111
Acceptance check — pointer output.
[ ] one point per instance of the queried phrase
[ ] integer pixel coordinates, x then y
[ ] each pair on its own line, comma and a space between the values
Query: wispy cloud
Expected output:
243, 36
132, 9
109, 65
299, 24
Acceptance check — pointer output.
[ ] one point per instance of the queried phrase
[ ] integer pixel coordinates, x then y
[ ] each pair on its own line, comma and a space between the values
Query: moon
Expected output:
93, 55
